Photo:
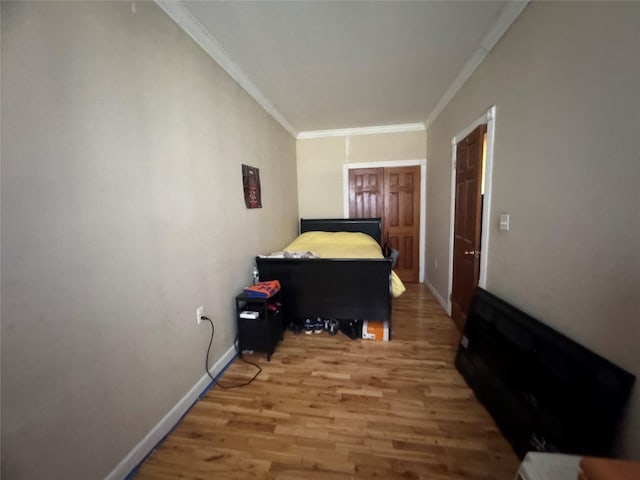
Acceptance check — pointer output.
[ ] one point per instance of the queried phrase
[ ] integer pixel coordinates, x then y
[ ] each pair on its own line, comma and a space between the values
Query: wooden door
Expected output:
467, 223
394, 195
366, 193
402, 218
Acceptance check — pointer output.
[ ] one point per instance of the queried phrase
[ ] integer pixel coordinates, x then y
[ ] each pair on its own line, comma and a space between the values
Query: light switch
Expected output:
504, 221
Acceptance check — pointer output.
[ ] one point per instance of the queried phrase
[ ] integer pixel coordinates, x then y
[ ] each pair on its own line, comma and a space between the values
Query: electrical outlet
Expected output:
199, 314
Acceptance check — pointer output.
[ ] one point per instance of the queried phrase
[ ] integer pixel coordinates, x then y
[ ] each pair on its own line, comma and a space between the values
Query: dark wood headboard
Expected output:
370, 226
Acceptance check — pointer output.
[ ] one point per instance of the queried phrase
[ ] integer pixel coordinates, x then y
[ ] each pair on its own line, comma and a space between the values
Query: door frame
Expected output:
490, 119
422, 163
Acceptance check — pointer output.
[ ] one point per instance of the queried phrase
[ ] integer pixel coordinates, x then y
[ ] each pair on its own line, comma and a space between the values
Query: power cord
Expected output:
235, 345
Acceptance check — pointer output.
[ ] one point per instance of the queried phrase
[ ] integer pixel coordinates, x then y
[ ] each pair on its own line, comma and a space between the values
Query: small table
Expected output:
263, 332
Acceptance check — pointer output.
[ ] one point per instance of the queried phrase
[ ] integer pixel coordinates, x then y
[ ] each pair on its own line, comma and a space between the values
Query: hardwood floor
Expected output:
334, 408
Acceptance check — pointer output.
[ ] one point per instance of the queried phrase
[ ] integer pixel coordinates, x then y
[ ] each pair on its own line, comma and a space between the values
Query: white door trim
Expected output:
423, 194
490, 119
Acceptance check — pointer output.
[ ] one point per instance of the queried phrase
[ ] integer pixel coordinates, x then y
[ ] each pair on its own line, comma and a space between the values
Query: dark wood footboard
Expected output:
331, 288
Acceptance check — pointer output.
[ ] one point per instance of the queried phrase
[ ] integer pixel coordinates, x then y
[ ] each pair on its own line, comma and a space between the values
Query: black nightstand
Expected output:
262, 333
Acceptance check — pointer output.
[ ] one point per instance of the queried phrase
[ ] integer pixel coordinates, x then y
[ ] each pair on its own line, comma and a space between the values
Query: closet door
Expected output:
366, 193
402, 218
393, 194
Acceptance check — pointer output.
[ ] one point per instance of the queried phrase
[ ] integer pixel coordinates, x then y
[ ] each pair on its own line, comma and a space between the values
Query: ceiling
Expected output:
318, 65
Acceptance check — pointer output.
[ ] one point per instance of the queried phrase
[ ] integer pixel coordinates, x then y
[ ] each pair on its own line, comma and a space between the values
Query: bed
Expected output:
340, 288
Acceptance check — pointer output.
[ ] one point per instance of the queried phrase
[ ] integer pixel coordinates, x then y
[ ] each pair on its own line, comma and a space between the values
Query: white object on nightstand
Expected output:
549, 466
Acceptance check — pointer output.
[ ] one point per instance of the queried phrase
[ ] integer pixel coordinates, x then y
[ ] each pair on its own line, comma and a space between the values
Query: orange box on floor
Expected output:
375, 330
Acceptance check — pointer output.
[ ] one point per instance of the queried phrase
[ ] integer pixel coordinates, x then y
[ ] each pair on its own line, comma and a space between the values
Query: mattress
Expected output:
343, 245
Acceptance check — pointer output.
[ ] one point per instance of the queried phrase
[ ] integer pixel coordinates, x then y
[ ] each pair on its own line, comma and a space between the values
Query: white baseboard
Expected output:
164, 426
445, 305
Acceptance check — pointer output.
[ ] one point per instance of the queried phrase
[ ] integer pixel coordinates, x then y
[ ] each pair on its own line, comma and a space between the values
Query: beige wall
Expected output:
122, 211
565, 82
321, 164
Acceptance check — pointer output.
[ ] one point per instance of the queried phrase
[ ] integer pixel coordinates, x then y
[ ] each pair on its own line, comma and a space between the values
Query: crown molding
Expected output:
345, 132
508, 15
183, 17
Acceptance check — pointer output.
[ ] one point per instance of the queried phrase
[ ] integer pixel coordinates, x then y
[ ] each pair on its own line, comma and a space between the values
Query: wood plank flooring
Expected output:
333, 408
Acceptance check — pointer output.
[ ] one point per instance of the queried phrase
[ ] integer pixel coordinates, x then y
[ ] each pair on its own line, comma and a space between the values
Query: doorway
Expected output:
472, 165
394, 191
468, 223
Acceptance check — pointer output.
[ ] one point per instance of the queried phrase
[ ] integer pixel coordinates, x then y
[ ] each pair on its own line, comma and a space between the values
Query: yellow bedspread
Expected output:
343, 245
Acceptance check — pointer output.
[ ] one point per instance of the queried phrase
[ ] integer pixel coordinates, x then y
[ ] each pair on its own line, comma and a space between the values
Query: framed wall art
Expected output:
251, 185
